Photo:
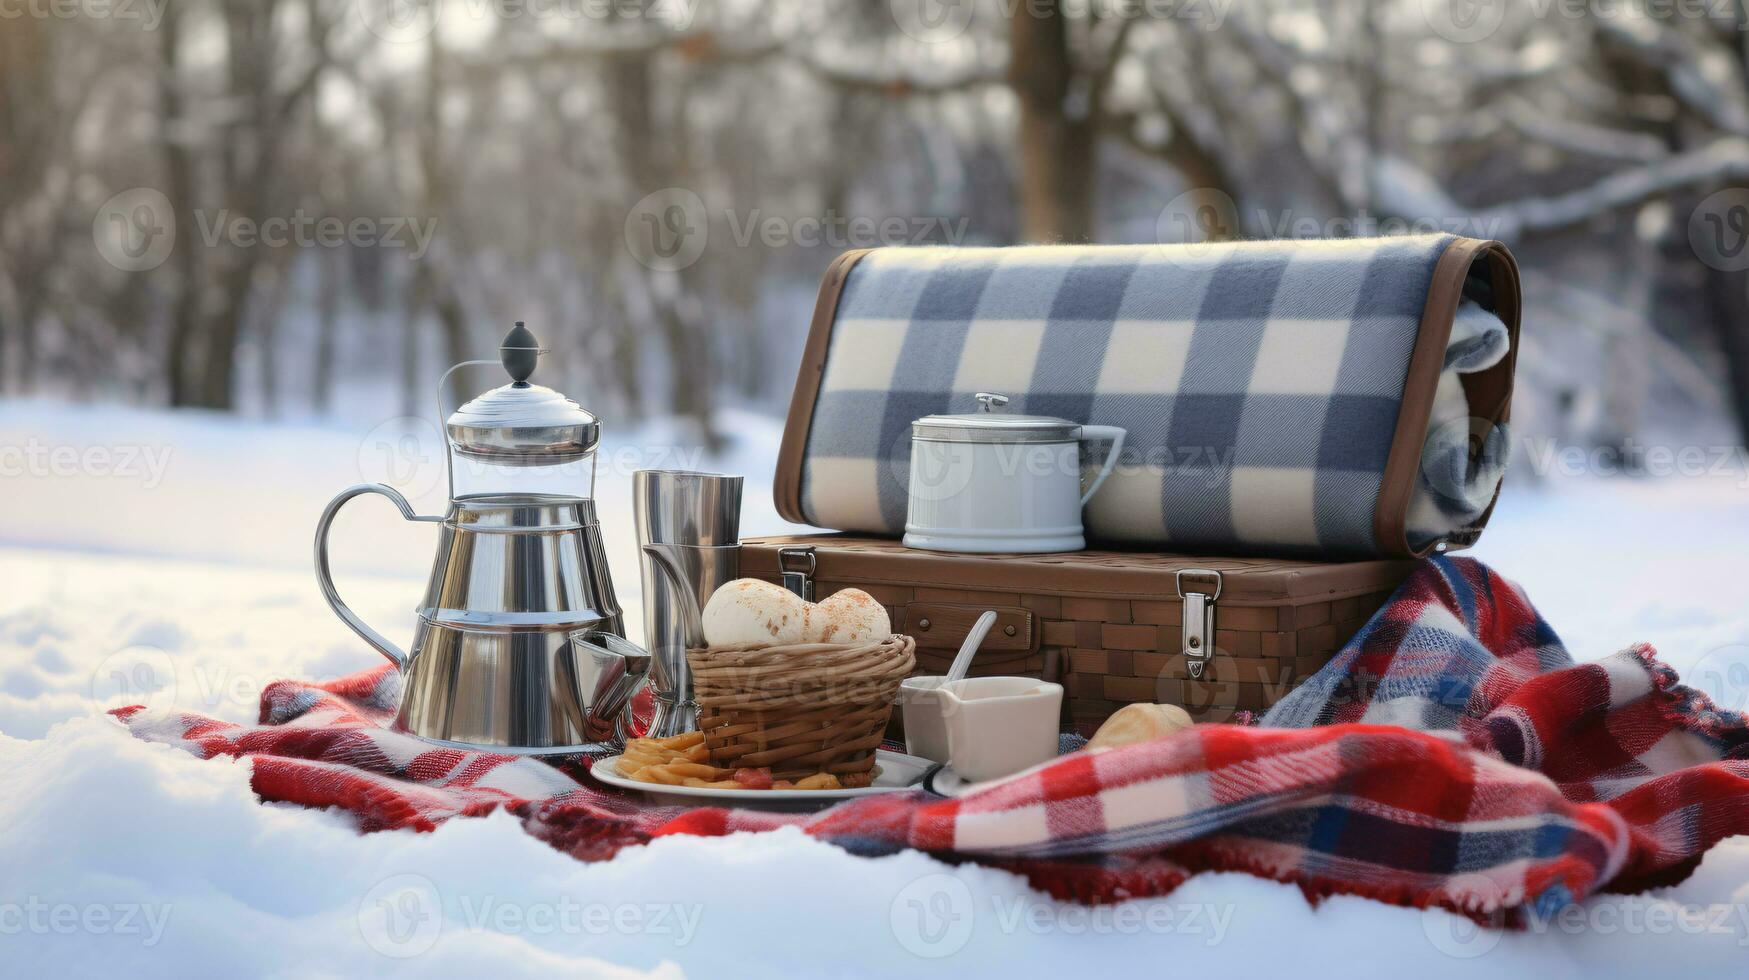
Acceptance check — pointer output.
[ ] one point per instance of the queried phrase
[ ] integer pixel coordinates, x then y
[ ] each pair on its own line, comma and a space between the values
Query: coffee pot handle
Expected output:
691, 615
396, 655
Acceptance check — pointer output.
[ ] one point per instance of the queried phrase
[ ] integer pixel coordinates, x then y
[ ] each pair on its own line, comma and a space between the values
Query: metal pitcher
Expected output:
520, 643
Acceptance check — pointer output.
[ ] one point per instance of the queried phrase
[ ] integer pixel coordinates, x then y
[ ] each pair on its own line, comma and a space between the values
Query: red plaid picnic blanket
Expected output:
1452, 754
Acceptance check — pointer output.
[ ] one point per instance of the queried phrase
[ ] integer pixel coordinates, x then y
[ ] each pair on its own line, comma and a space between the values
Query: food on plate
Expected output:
683, 760
1138, 723
749, 611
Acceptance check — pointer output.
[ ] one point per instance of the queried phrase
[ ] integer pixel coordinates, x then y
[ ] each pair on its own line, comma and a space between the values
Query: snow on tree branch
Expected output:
1406, 190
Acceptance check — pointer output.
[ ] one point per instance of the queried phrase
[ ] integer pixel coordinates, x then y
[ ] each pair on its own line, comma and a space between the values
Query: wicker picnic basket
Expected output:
1107, 625
799, 709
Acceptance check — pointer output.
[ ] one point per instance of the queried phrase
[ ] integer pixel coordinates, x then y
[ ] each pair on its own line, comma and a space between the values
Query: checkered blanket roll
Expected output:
1263, 385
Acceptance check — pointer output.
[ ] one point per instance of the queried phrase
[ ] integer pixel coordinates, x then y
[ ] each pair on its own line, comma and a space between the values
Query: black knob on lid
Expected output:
519, 352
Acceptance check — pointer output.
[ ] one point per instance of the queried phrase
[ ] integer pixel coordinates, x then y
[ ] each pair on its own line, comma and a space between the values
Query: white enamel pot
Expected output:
994, 483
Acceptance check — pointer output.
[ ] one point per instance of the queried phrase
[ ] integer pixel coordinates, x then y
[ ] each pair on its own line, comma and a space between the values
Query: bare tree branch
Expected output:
1415, 194
1671, 54
1604, 142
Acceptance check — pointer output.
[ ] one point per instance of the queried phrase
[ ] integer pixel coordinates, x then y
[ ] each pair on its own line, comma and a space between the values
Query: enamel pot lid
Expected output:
988, 425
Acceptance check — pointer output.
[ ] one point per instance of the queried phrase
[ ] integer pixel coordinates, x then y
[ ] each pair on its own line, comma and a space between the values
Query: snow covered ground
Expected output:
165, 558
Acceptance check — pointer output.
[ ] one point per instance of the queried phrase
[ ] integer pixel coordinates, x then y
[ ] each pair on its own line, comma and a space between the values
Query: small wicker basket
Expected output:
800, 709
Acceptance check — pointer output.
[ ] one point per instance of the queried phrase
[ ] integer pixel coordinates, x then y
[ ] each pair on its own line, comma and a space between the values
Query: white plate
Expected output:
898, 772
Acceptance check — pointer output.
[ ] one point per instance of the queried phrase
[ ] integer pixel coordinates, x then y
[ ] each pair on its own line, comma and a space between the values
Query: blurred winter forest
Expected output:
257, 205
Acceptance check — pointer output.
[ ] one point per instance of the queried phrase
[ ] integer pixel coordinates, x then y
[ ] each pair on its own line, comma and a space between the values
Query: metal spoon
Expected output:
962, 661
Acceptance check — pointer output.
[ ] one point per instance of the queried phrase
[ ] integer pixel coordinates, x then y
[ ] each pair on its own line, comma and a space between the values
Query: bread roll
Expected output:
849, 616
1138, 723
748, 610
751, 611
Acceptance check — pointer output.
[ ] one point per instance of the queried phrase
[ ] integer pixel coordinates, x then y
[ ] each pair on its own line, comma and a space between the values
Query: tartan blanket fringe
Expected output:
1452, 755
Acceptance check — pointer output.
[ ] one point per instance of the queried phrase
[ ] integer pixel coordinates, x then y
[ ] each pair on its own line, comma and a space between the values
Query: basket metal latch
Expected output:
1199, 620
797, 566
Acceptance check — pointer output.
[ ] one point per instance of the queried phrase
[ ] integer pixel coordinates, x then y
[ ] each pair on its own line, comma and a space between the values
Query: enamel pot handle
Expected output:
1103, 433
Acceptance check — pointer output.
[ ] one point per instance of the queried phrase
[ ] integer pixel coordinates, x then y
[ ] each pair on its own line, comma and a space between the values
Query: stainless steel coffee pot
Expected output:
520, 644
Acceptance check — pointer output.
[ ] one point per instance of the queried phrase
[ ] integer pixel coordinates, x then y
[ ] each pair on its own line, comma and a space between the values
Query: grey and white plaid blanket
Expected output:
1259, 382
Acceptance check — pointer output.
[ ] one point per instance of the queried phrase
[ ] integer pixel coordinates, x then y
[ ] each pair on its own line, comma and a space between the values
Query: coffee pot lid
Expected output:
522, 424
